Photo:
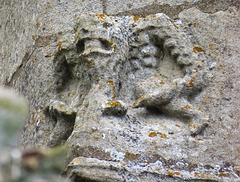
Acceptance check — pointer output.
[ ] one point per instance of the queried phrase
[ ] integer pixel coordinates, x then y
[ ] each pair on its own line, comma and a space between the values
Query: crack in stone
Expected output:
16, 74
104, 5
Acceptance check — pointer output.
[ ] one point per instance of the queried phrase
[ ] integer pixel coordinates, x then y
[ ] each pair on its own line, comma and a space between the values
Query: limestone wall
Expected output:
138, 90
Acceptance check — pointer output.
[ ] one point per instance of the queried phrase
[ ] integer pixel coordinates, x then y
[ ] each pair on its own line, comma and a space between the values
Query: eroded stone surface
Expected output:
136, 93
170, 7
147, 64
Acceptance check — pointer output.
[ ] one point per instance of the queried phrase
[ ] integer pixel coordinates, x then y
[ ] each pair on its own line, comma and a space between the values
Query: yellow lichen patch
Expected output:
61, 105
109, 82
101, 17
183, 108
186, 107
123, 167
79, 37
114, 103
190, 83
136, 18
153, 134
162, 82
33, 61
152, 16
114, 47
223, 174
131, 156
96, 138
111, 41
197, 24
176, 26
177, 173
60, 45
105, 26
172, 173
195, 173
197, 49
135, 103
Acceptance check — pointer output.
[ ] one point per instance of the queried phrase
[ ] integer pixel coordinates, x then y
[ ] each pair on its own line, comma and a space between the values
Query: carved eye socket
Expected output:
106, 44
80, 46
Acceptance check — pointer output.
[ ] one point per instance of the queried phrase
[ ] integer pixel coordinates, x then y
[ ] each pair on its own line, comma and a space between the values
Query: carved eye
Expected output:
80, 46
106, 44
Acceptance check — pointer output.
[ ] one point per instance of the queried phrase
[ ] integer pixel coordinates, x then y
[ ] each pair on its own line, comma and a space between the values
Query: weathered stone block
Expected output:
137, 96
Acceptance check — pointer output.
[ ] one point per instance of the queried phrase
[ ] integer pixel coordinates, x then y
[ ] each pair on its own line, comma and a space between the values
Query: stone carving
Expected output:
64, 117
174, 75
132, 75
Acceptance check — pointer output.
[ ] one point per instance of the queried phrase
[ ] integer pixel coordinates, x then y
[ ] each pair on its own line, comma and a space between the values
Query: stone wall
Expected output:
139, 90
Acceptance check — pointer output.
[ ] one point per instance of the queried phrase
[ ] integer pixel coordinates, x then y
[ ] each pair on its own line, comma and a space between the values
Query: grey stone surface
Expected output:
136, 98
16, 36
170, 7
36, 27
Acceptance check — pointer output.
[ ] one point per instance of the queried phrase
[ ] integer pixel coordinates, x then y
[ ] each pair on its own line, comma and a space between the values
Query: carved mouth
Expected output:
100, 46
90, 51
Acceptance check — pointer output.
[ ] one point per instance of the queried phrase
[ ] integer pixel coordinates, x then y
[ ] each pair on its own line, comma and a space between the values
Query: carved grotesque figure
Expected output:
171, 77
137, 80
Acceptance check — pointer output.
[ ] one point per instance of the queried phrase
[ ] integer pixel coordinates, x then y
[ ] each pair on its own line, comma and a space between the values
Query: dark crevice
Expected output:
62, 124
62, 73
159, 43
154, 111
80, 46
106, 44
163, 112
77, 178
